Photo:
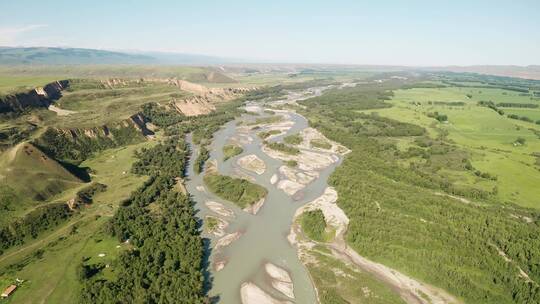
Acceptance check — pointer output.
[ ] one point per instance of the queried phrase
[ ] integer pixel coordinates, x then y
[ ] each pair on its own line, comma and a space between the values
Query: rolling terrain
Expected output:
432, 194
68, 162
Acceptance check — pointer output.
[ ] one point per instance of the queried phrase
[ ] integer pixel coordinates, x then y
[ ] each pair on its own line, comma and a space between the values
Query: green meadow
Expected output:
13, 84
533, 114
489, 137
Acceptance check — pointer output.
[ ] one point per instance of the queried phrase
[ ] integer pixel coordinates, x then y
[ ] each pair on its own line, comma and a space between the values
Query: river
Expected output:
264, 235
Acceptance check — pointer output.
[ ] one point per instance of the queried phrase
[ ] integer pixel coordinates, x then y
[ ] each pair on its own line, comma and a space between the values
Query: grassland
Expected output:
14, 84
105, 71
283, 78
486, 135
38, 179
314, 225
291, 163
400, 216
210, 224
533, 114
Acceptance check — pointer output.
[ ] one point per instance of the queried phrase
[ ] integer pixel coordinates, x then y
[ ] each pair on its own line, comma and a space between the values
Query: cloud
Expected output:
9, 34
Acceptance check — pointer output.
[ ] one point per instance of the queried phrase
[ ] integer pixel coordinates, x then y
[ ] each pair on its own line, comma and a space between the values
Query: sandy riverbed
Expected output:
281, 280
219, 209
252, 163
253, 294
227, 240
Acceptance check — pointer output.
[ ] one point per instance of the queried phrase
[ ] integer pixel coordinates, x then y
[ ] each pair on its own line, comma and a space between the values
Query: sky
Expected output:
382, 32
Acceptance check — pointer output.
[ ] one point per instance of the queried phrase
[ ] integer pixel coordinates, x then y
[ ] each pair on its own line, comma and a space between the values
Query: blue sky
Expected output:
361, 32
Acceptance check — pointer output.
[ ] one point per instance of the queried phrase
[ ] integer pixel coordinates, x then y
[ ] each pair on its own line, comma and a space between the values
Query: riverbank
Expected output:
410, 290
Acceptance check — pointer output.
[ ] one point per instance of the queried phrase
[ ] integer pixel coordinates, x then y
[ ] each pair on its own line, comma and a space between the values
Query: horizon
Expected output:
148, 53
458, 34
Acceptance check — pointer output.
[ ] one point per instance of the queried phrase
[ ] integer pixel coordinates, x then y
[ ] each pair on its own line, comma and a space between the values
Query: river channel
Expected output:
263, 235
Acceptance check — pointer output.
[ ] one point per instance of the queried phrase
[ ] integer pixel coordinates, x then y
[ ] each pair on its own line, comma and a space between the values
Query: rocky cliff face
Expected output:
40, 97
200, 102
203, 98
214, 94
136, 122
77, 144
193, 106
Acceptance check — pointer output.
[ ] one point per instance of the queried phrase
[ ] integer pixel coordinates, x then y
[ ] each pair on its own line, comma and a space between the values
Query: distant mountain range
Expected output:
58, 56
80, 56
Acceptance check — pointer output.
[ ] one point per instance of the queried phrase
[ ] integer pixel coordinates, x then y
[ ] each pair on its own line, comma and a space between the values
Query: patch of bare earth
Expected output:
253, 294
252, 163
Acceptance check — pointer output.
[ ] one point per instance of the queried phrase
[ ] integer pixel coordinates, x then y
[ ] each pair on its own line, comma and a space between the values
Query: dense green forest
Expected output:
398, 216
201, 159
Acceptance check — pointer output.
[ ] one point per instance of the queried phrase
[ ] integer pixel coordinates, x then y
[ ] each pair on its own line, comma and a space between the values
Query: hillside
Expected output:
428, 152
32, 175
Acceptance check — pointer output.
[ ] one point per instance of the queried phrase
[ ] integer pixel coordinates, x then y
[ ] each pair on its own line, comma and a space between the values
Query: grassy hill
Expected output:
29, 176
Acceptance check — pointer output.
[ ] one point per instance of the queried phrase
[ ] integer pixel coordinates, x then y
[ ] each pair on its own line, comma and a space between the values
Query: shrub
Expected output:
293, 139
314, 225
